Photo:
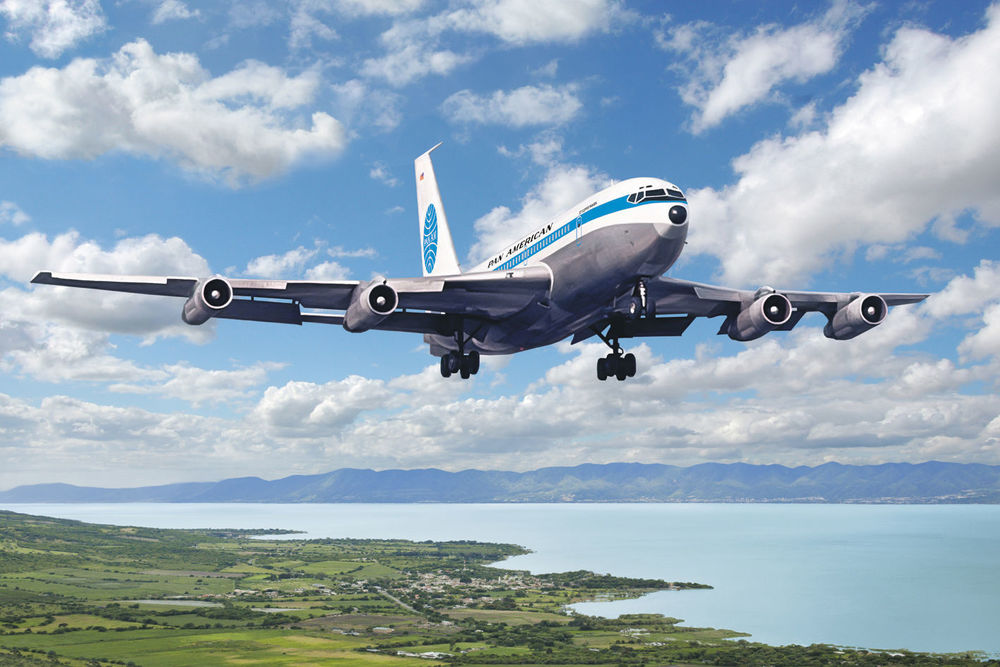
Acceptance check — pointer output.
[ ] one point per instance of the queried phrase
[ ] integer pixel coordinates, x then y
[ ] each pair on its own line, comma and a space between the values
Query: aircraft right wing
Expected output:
429, 304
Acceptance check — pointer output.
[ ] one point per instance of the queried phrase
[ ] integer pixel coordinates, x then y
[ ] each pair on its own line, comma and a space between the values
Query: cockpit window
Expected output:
654, 194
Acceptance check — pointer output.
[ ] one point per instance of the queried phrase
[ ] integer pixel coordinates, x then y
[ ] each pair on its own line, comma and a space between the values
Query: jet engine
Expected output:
769, 311
857, 317
370, 305
210, 296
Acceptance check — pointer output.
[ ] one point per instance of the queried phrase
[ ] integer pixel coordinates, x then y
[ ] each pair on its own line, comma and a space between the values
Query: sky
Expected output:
848, 146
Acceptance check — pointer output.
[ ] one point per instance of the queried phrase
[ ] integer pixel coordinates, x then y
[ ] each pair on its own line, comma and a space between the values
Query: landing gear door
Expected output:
579, 225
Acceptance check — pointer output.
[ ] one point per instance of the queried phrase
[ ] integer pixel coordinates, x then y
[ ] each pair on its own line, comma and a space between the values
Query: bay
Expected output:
920, 577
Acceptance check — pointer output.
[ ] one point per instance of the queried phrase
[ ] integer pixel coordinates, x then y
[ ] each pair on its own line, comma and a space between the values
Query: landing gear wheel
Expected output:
465, 365
611, 363
618, 364
629, 363
454, 362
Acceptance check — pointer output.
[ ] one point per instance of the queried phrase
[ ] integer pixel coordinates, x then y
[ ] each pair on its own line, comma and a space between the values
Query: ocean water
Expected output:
921, 577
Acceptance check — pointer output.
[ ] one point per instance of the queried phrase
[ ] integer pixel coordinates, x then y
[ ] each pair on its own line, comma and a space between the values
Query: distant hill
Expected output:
931, 482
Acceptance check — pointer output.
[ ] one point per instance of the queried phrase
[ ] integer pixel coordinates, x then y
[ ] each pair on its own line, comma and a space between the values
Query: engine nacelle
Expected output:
858, 316
370, 305
765, 314
210, 296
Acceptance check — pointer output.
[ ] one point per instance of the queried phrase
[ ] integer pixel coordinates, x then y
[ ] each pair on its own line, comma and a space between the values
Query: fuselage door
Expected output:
579, 226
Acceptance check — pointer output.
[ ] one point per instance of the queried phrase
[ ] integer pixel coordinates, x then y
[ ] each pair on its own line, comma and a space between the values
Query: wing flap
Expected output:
655, 326
335, 295
281, 312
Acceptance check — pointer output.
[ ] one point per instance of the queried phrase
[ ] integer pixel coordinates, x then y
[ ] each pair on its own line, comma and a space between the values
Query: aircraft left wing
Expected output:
752, 313
378, 304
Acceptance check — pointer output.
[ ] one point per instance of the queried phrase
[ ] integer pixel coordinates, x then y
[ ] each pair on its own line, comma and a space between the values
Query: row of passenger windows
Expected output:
654, 194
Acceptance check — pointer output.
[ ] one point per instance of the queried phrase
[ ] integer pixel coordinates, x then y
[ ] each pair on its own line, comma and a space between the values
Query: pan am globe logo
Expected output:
430, 238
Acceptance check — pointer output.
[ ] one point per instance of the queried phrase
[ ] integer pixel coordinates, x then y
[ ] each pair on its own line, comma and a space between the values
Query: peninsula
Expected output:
74, 593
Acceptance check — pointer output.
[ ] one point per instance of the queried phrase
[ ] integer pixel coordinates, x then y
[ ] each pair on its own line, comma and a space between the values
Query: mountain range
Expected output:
931, 482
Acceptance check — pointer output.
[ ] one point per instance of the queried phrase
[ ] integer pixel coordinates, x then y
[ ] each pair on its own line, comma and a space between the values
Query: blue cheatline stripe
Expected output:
604, 209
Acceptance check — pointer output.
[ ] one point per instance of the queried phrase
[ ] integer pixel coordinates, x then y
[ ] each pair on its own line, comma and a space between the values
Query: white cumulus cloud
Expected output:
173, 10
12, 213
407, 62
280, 266
521, 107
244, 124
916, 144
414, 49
54, 25
528, 21
732, 73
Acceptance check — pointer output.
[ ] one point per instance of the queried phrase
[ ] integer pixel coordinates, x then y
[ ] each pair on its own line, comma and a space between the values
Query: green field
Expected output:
82, 594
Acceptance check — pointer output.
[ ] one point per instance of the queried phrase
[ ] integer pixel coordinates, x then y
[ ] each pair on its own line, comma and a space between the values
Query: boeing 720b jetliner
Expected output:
596, 270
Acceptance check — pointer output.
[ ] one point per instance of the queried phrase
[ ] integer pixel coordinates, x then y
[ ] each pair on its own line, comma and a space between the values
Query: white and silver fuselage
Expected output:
595, 253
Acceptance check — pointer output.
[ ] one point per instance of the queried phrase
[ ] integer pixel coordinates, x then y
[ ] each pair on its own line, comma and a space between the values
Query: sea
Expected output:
918, 577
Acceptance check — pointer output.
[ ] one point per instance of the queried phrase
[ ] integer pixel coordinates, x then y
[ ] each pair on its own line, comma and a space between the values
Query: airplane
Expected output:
595, 270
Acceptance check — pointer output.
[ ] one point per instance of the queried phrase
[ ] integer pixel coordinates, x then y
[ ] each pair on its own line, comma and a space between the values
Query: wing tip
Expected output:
42, 278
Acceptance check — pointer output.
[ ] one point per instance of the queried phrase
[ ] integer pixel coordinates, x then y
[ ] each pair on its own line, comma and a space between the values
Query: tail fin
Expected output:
438, 252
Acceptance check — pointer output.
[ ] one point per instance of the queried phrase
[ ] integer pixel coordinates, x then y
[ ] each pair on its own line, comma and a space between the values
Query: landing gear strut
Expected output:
458, 361
618, 364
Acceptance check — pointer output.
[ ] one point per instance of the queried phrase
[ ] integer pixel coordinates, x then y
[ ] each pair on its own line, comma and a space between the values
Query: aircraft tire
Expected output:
629, 363
621, 372
474, 362
454, 362
464, 368
602, 369
445, 369
611, 364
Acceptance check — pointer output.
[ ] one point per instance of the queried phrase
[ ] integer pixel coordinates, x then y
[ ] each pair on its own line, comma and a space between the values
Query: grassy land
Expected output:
83, 594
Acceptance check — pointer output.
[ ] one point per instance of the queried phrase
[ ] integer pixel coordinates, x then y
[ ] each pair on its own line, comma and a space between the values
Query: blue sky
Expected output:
842, 146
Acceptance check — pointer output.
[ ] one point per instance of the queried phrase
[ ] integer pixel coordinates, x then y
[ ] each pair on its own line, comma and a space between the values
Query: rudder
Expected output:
436, 248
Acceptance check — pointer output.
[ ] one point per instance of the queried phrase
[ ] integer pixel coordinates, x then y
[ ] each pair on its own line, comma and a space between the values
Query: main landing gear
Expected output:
616, 364
458, 361
463, 364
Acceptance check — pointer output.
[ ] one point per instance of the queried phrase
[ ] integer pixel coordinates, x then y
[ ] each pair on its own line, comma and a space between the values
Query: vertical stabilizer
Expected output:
437, 251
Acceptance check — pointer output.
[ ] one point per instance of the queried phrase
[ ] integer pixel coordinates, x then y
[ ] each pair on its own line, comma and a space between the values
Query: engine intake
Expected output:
765, 314
210, 296
370, 305
863, 313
